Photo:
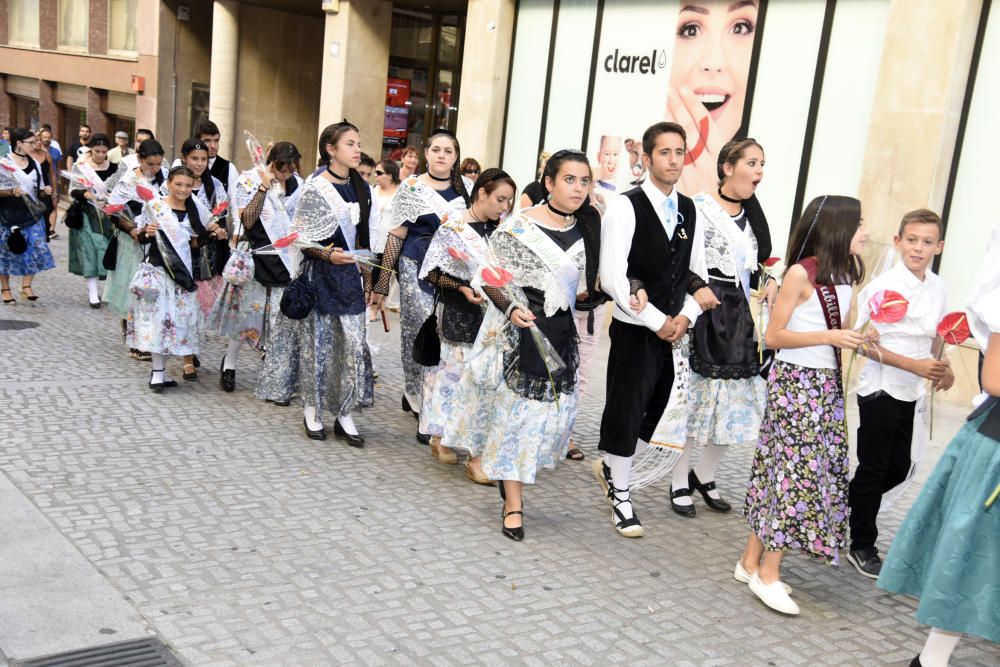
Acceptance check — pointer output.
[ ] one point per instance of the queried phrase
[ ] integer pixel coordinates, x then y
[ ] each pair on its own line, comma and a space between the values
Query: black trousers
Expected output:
640, 376
884, 438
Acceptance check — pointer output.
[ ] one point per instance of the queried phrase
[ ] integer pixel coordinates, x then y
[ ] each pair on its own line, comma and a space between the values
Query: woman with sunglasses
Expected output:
470, 168
21, 207
421, 204
455, 412
386, 184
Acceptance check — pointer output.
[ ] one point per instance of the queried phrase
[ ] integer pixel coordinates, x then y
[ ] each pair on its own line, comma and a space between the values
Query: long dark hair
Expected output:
825, 231
456, 175
331, 135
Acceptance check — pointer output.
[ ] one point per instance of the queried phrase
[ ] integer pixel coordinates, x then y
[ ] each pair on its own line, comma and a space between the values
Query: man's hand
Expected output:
667, 330
681, 324
706, 298
637, 302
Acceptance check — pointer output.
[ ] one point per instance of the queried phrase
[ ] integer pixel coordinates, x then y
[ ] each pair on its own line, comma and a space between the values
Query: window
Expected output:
73, 24
23, 22
121, 25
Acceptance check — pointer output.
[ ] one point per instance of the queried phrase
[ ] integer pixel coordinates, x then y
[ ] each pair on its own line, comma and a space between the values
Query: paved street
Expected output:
239, 541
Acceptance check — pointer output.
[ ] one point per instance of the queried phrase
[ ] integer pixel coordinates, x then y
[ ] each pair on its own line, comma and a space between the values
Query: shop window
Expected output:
199, 105
25, 113
74, 21
22, 21
122, 25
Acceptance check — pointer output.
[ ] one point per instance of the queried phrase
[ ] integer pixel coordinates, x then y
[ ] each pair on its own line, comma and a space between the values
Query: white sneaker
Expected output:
741, 575
773, 595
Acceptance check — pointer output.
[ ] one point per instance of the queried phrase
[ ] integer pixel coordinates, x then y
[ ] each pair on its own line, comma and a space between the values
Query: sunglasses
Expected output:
471, 171
379, 173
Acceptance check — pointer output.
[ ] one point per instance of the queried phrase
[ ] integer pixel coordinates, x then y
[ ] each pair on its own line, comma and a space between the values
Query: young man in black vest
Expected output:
650, 237
208, 133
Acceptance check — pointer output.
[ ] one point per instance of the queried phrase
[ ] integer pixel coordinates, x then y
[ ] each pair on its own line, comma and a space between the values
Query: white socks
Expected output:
708, 463
621, 469
938, 648
92, 294
232, 354
312, 422
680, 476
347, 423
159, 369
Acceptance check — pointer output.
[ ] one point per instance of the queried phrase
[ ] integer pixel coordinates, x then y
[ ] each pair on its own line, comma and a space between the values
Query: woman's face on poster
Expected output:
712, 57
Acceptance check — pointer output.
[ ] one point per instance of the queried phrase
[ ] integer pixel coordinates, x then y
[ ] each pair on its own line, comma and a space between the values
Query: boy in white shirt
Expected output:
888, 391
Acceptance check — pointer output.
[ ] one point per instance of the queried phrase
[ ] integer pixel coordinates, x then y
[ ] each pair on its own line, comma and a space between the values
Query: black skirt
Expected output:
722, 343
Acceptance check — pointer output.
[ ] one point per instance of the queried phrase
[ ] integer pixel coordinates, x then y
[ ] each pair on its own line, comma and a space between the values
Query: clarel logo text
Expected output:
622, 63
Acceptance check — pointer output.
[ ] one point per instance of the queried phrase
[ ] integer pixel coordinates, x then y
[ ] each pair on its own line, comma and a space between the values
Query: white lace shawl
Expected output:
414, 198
458, 235
724, 240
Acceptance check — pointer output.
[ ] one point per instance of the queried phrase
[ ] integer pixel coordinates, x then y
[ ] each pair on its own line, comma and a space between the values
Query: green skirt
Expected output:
87, 246
116, 292
947, 552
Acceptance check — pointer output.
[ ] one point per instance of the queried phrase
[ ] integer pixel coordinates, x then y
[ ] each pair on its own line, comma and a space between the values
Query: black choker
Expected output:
19, 154
557, 211
440, 180
729, 199
338, 176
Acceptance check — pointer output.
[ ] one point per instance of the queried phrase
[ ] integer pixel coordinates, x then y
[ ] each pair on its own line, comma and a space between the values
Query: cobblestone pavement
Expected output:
242, 542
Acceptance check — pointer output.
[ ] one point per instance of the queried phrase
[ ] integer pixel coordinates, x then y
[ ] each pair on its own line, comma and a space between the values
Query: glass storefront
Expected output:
423, 79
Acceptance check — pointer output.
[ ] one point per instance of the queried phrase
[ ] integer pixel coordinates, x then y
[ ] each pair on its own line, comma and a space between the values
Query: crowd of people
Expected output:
502, 299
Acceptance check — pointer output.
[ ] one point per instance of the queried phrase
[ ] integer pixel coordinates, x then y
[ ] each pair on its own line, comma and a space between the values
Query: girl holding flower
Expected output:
88, 243
797, 497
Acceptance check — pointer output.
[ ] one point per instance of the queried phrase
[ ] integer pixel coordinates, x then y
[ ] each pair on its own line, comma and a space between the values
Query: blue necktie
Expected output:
669, 217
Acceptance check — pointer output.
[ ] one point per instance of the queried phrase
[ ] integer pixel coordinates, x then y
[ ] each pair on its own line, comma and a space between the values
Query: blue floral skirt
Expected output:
947, 552
797, 499
171, 325
35, 259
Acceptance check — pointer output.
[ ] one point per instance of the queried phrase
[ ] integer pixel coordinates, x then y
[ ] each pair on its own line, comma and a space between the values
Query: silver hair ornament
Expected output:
813, 224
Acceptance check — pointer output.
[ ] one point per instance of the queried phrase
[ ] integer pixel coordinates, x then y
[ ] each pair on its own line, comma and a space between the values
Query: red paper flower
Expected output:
495, 276
111, 209
458, 254
954, 328
771, 261
286, 241
85, 183
220, 208
887, 307
144, 193
8, 167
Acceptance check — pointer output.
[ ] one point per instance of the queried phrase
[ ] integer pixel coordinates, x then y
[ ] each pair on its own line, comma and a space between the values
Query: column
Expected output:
355, 68
97, 40
6, 104
50, 112
96, 118
489, 31
48, 29
225, 63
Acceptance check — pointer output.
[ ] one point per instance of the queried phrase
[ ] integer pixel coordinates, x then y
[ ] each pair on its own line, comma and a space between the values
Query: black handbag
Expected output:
299, 298
74, 216
16, 242
427, 344
110, 259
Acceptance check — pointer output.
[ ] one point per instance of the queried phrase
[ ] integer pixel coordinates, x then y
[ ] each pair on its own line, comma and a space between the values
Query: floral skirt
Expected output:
171, 325
797, 498
525, 435
725, 412
455, 408
35, 259
324, 359
415, 307
947, 552
239, 310
116, 292
208, 293
86, 249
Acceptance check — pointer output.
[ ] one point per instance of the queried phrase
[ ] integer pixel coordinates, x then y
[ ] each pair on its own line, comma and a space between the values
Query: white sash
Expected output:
344, 213
172, 228
88, 172
275, 218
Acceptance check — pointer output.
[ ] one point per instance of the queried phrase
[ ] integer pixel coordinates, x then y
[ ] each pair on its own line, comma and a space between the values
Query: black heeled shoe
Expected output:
916, 662
13, 300
516, 534
719, 505
423, 438
318, 434
686, 511
196, 361
227, 379
156, 387
282, 404
405, 405
351, 439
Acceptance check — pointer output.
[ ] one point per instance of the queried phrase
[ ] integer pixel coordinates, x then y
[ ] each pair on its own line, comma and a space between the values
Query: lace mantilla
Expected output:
413, 199
724, 241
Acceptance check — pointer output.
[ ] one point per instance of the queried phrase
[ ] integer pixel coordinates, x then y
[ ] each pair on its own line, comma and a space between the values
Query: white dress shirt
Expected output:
912, 337
617, 230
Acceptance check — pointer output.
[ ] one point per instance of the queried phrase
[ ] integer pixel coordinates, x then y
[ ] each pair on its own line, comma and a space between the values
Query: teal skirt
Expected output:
947, 552
116, 292
87, 245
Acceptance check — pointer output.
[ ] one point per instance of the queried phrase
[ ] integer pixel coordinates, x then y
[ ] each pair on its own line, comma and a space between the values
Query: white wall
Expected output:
570, 75
973, 214
781, 105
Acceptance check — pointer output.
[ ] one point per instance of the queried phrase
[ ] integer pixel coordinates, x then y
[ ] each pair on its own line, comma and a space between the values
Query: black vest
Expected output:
220, 169
661, 263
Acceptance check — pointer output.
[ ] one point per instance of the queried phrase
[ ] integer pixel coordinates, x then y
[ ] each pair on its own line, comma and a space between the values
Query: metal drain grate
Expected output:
149, 652
16, 325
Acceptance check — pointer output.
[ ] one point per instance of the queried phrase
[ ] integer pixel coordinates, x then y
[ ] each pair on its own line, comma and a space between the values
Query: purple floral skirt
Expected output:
797, 499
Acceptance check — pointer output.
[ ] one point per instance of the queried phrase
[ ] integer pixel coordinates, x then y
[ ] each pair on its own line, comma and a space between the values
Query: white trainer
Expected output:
773, 595
741, 575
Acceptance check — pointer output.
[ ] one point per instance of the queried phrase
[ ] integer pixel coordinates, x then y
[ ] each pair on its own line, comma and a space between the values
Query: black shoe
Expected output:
196, 361
719, 505
423, 438
156, 387
405, 405
916, 662
625, 527
319, 434
283, 404
687, 511
352, 440
227, 379
866, 561
516, 534
96, 306
169, 383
